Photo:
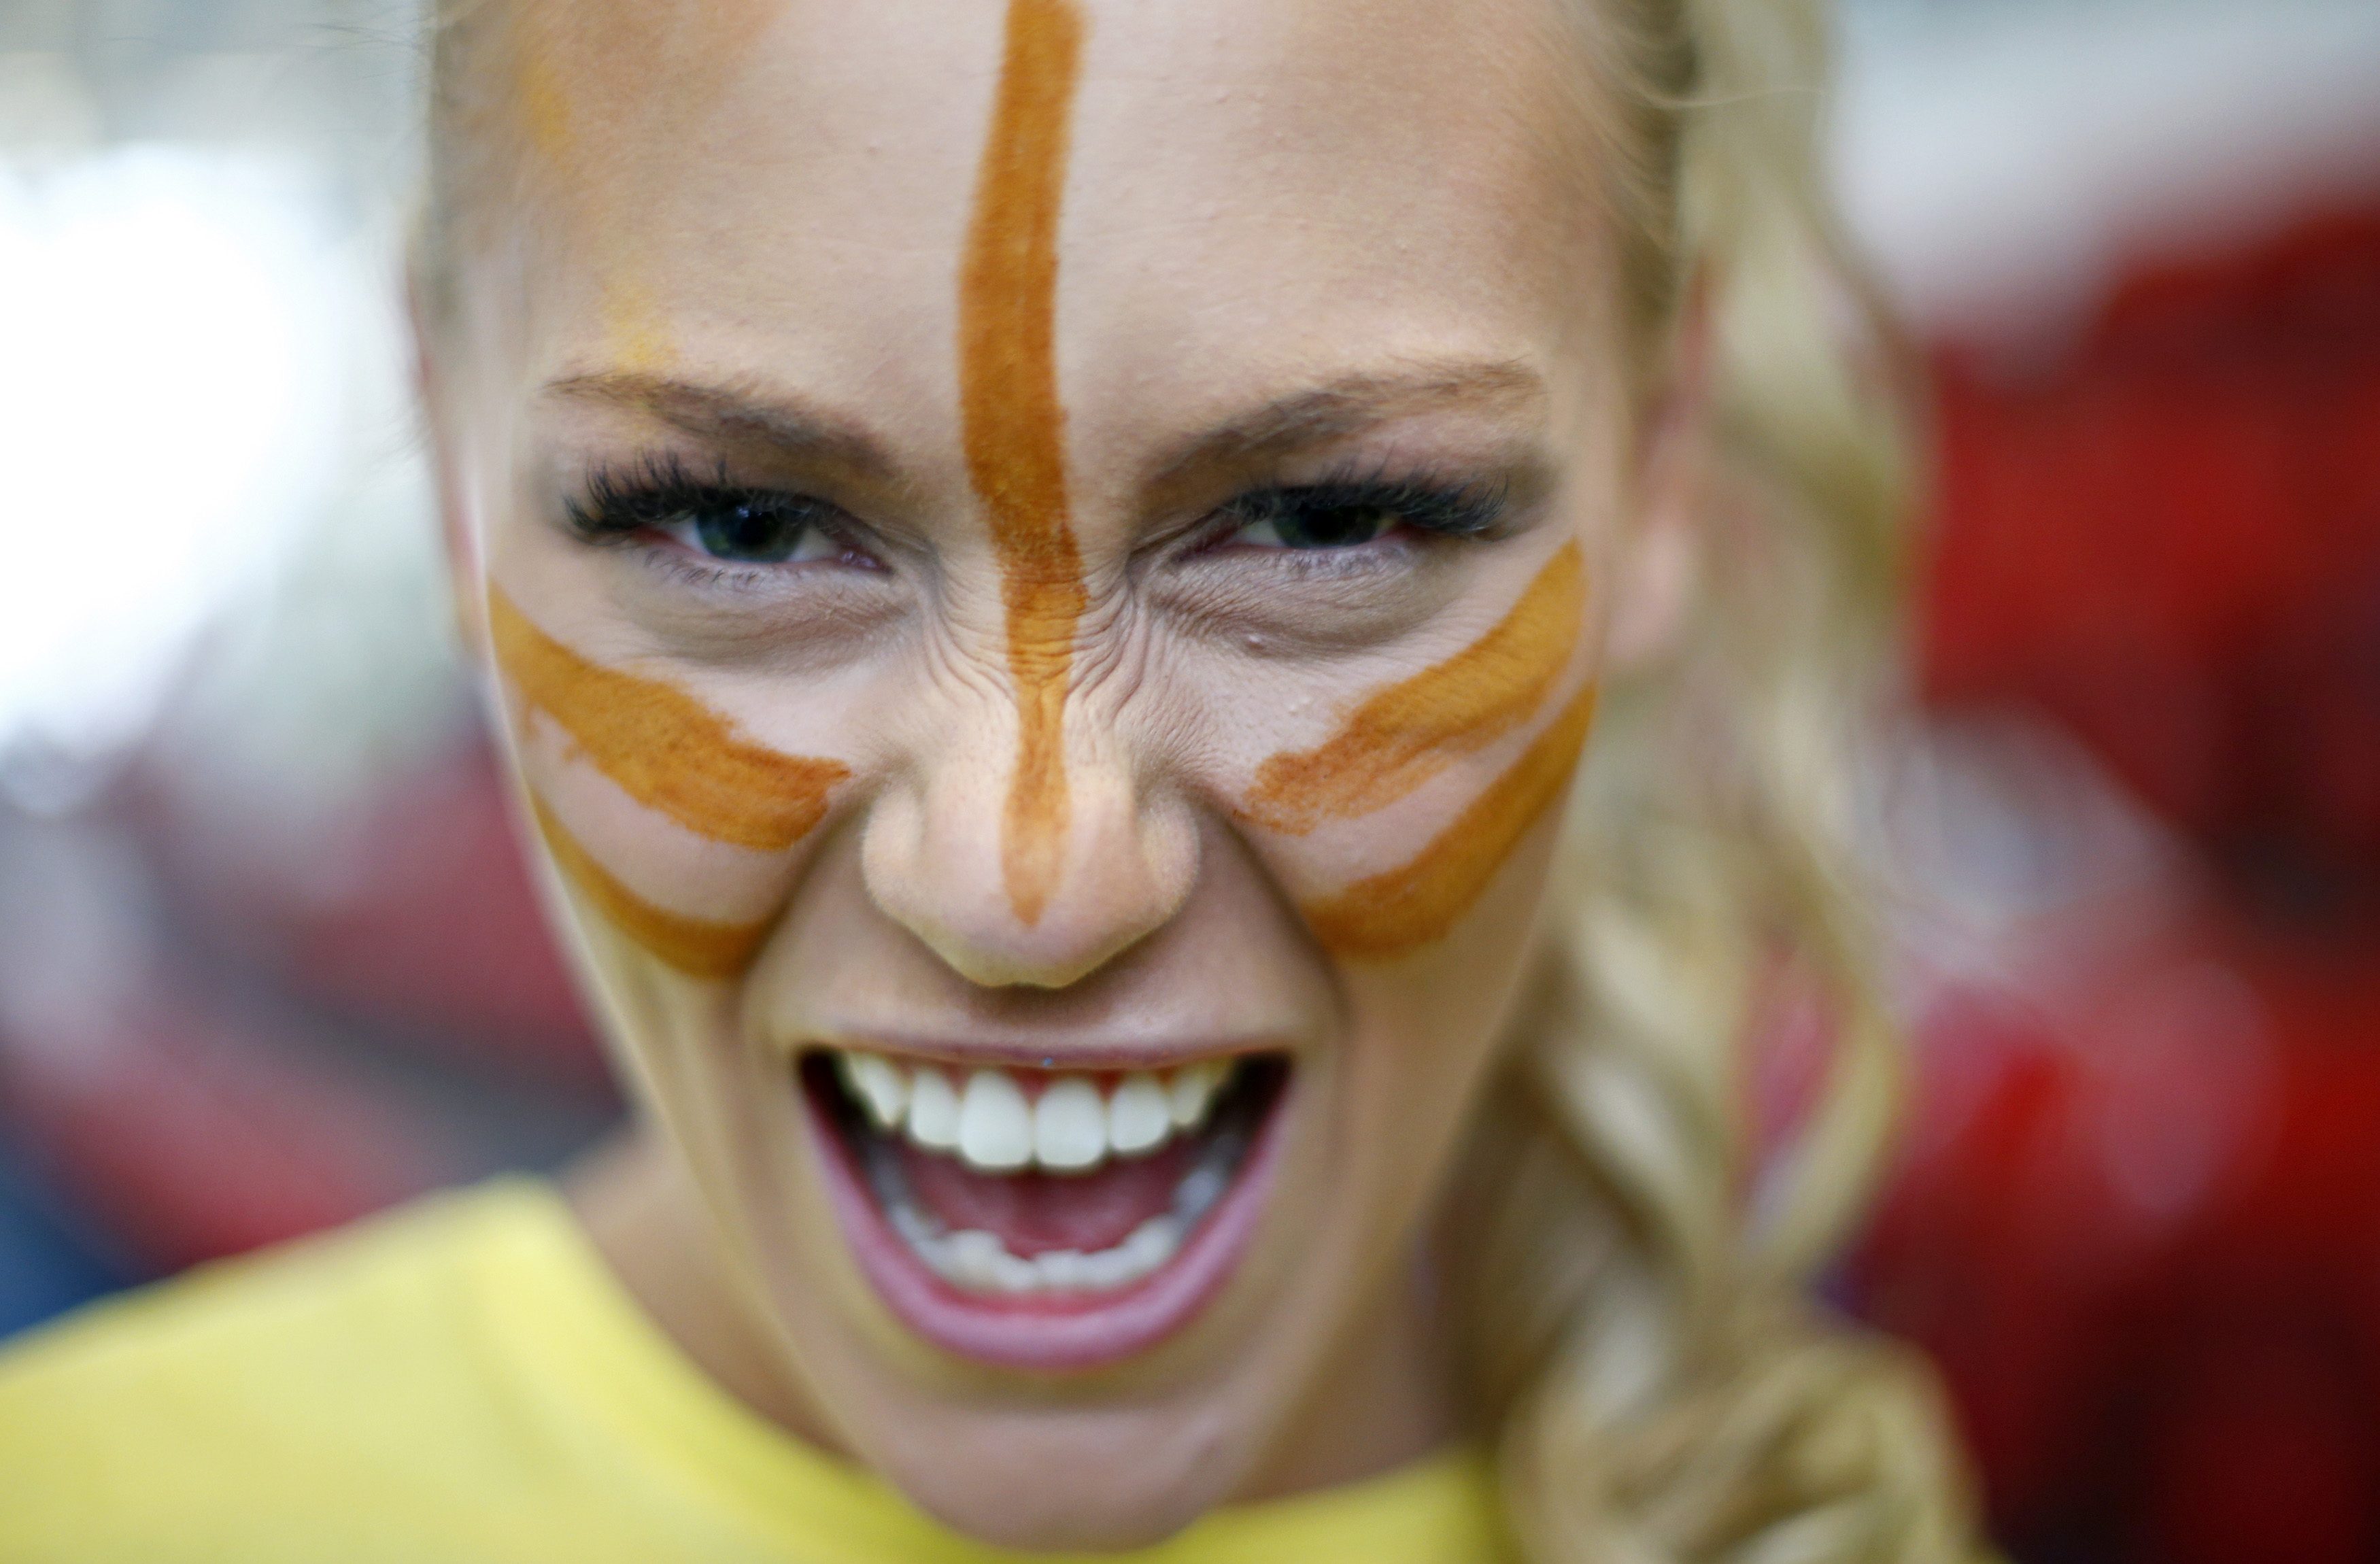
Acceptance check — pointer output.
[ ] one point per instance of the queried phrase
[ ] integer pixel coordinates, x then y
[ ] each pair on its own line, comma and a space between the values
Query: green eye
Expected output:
757, 531
718, 519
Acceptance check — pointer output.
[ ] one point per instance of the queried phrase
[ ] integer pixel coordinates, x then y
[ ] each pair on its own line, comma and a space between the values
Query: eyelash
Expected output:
661, 490
1459, 510
621, 506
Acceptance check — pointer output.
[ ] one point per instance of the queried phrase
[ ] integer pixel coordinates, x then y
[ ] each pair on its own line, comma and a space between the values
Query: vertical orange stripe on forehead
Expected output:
1403, 736
1391, 914
664, 748
1014, 427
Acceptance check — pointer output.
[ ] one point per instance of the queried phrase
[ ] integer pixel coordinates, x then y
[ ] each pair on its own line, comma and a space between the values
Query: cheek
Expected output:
1392, 829
1421, 898
1400, 737
1423, 1029
681, 833
701, 907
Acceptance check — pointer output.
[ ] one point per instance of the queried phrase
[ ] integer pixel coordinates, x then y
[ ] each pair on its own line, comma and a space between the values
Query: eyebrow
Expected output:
794, 428
741, 413
1344, 407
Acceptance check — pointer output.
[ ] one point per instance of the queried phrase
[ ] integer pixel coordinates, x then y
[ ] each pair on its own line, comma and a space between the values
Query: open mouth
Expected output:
1040, 1219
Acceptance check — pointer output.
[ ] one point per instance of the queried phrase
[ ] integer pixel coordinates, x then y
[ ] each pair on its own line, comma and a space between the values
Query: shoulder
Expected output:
288, 1389
236, 1338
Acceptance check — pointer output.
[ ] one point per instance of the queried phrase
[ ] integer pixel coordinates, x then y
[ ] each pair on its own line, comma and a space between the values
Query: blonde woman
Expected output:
1182, 673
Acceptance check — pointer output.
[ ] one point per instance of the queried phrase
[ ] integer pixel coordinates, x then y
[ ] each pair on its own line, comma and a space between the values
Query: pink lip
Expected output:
1048, 1336
1084, 1054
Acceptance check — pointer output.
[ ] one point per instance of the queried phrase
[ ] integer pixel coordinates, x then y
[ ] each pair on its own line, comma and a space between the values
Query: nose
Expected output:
1110, 858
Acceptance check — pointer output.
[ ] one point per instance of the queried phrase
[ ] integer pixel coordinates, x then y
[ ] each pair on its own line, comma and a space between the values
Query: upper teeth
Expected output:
1071, 1127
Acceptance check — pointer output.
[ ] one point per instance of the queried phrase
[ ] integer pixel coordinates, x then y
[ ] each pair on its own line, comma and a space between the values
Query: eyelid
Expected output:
657, 489
618, 503
1458, 508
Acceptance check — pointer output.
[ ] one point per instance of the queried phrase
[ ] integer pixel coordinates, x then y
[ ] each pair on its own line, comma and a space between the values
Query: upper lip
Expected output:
1078, 1055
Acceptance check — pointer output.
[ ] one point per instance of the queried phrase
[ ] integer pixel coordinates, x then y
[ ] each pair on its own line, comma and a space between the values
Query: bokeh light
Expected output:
174, 331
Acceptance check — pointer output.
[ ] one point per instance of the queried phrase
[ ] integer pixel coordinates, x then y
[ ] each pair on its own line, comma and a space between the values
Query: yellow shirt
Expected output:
464, 1383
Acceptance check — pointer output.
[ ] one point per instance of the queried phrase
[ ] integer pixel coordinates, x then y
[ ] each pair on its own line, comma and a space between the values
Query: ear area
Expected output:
1659, 561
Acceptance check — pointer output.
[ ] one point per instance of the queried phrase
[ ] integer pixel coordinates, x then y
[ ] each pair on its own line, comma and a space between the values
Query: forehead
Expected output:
785, 185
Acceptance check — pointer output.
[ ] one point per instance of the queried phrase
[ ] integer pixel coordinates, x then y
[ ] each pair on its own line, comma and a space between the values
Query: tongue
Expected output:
1031, 1212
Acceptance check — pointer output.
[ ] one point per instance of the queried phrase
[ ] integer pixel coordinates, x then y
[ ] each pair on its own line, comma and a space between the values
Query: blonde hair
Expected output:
1634, 1290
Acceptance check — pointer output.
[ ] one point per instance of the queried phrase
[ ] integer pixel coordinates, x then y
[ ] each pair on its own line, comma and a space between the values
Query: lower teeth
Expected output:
977, 1261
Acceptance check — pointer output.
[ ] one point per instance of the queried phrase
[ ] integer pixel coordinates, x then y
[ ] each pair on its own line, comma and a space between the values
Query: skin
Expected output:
1050, 769
1404, 735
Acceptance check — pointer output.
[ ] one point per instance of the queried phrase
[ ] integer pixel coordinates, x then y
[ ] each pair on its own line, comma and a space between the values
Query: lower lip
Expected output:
1051, 1335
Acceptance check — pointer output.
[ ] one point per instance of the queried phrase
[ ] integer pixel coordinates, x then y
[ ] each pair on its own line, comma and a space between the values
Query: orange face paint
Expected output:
676, 755
591, 77
634, 330
543, 103
1391, 914
1014, 428
1405, 735
590, 81
700, 949
664, 748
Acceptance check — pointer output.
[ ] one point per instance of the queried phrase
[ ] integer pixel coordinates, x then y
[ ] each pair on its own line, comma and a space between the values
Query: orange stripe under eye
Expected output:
1403, 736
663, 748
1420, 901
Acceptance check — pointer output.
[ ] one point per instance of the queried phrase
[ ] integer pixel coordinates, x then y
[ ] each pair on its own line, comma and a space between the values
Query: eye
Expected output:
1289, 521
758, 530
714, 518
1349, 515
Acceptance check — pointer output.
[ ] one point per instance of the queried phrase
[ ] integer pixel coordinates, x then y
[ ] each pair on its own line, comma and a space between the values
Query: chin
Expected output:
1079, 1481
1063, 1309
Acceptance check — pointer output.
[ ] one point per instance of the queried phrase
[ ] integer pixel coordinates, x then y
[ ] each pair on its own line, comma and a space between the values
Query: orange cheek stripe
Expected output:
1406, 907
716, 951
664, 748
1409, 733
1015, 427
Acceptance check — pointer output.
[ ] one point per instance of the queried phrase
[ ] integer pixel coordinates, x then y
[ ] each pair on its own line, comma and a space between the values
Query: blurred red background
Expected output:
2138, 1219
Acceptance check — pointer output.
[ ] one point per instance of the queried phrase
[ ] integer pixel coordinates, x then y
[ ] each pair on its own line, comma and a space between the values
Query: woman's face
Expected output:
1047, 570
